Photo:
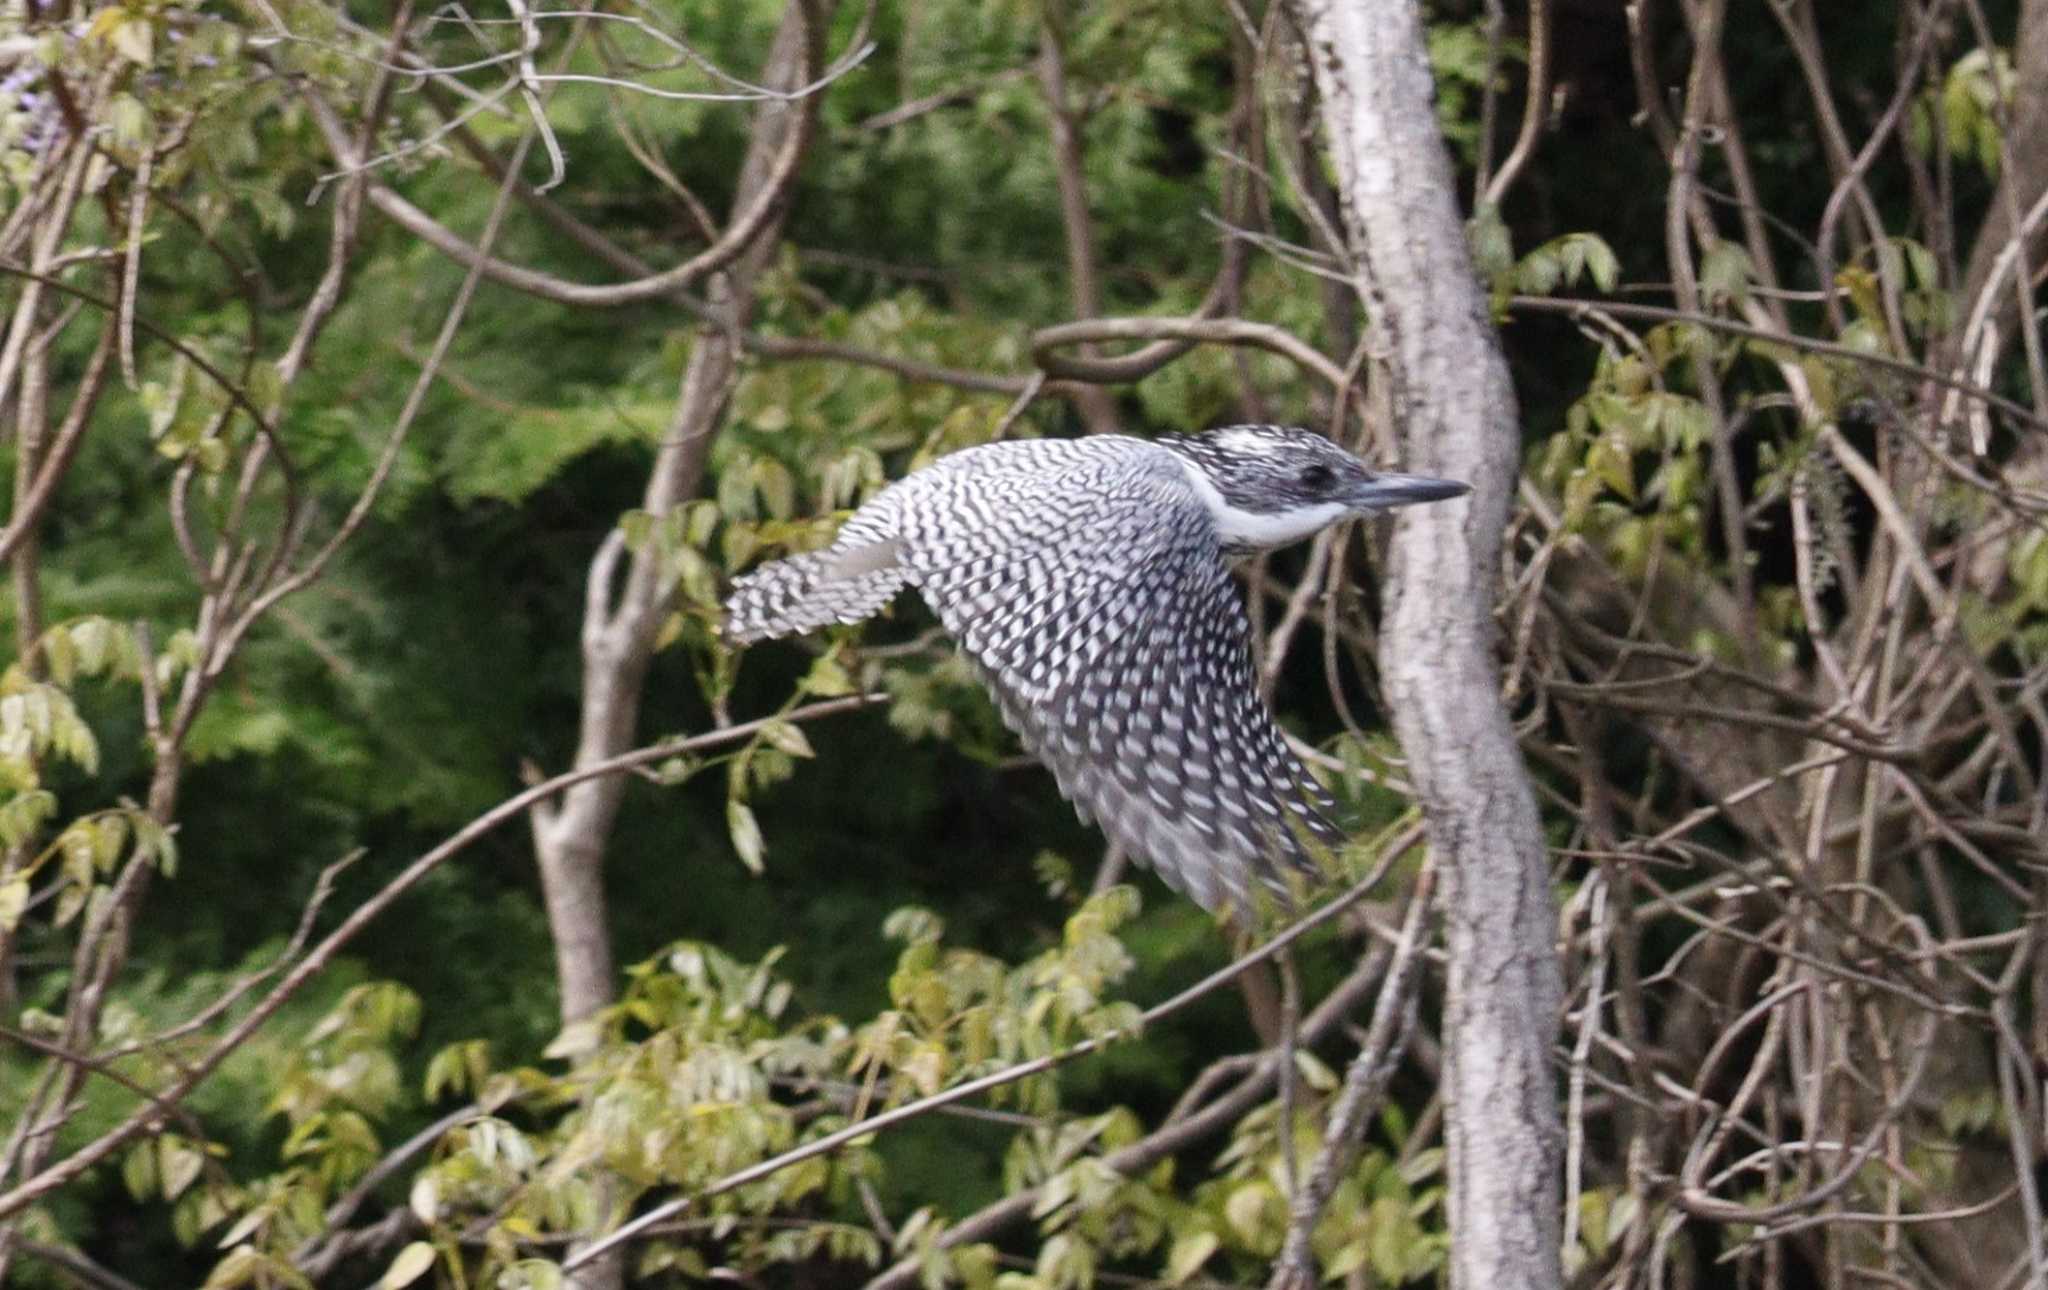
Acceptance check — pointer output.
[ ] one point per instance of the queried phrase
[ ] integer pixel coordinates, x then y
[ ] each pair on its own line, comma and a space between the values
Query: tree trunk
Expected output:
627, 595
626, 598
1450, 392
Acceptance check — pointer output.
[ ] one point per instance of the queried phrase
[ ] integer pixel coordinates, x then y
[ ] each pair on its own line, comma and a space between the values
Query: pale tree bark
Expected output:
628, 593
1450, 394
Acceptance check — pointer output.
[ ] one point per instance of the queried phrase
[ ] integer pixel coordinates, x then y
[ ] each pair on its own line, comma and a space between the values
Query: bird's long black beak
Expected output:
1384, 492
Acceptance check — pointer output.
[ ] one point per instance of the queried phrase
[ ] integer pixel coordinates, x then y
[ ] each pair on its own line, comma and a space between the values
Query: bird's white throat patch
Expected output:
1261, 529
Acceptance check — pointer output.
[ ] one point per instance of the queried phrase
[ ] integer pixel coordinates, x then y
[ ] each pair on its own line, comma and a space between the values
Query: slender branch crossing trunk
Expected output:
1450, 394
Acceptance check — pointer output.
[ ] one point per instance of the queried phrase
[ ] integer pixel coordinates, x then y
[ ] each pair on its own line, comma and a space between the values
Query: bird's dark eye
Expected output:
1317, 477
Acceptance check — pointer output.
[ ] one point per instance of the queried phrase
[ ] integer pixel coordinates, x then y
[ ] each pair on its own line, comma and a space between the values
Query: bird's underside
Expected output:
1093, 600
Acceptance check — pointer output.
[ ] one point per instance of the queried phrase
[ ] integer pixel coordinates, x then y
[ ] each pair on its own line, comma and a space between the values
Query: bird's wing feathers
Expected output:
1084, 580
1166, 739
1117, 648
841, 584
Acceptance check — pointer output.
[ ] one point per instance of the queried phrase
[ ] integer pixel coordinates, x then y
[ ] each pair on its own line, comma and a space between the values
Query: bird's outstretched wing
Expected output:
1085, 581
844, 583
1116, 646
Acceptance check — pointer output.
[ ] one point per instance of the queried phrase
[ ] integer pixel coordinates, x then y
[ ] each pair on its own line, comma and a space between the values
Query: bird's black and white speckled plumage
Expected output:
1086, 579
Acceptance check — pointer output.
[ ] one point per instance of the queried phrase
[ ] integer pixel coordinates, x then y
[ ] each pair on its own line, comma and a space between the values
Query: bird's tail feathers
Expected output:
806, 592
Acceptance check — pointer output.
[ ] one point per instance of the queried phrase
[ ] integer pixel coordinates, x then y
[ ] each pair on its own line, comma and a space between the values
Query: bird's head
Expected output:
1267, 486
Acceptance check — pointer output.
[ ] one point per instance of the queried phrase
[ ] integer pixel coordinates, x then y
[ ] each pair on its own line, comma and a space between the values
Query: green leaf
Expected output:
746, 834
135, 38
424, 1199
1345, 1261
155, 844
1190, 1251
532, 1274
410, 1265
93, 641
777, 487
1313, 1072
1863, 288
637, 526
1256, 1214
1539, 272
1593, 1220
975, 1265
459, 1068
70, 902
1392, 1235
179, 1163
1066, 1262
60, 657
245, 1225
242, 1266
138, 1170
24, 813
827, 678
1601, 263
13, 901
787, 737
1725, 273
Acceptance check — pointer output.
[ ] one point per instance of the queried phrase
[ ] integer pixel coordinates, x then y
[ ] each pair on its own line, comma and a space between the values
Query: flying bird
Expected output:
1087, 580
